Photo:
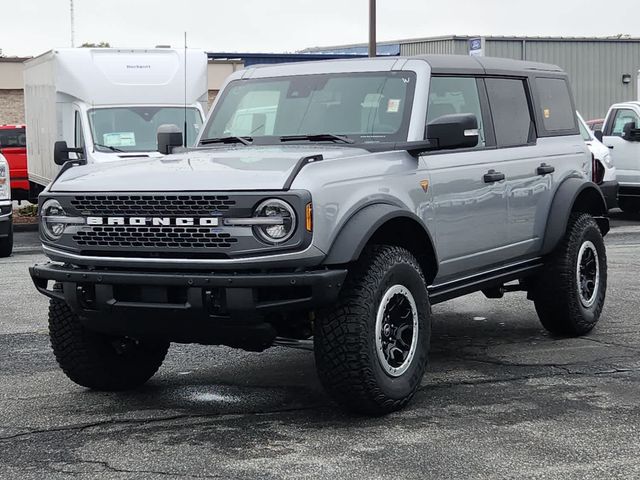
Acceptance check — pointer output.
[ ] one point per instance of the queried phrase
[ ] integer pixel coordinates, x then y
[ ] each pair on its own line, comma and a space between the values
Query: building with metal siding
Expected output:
595, 65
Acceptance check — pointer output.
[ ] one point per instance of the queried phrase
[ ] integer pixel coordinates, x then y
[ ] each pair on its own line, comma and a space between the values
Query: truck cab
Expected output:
13, 146
621, 134
104, 105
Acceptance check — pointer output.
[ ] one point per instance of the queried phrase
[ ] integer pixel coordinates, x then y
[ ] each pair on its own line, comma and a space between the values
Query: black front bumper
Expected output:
189, 307
5, 220
610, 192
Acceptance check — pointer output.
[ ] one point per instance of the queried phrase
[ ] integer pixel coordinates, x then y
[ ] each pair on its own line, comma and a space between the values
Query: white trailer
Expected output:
109, 103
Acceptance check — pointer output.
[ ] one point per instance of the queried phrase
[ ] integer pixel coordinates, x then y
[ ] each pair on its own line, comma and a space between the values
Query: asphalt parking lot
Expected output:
501, 399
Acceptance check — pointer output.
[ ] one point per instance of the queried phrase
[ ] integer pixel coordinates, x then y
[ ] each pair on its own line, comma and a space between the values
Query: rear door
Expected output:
625, 153
526, 190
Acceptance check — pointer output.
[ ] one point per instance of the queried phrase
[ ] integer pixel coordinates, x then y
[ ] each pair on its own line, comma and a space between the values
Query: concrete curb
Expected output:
624, 230
26, 250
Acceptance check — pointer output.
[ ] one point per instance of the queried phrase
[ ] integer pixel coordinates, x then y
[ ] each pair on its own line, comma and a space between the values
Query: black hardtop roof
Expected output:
485, 65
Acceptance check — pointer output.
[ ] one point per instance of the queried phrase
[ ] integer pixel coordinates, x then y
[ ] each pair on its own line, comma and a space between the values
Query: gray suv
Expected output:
333, 201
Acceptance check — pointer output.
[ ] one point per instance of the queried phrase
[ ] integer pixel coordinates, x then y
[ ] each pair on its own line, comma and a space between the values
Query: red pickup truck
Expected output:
13, 145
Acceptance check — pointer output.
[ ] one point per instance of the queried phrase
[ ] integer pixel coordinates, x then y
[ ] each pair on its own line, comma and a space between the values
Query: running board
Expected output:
481, 281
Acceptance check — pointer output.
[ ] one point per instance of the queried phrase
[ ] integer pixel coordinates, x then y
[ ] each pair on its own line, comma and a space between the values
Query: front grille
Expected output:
153, 237
152, 205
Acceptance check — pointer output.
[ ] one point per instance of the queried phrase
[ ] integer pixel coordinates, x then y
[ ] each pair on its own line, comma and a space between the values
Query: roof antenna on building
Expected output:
185, 90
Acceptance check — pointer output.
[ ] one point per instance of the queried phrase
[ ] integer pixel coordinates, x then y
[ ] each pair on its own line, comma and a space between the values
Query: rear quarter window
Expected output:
557, 111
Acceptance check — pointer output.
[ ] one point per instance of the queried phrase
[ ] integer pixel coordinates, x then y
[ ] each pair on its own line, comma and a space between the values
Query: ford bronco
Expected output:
333, 203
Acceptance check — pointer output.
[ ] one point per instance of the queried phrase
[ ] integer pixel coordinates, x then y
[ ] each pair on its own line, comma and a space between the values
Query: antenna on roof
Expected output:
73, 33
185, 90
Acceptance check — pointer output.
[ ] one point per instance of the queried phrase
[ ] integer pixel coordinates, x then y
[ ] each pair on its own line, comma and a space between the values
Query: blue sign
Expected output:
476, 47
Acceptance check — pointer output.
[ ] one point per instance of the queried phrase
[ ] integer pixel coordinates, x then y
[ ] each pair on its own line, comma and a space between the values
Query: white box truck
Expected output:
108, 103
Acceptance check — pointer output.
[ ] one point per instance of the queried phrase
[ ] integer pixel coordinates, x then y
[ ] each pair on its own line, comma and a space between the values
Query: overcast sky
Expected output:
30, 27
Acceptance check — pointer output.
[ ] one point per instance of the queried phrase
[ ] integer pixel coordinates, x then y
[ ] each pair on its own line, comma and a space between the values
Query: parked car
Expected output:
13, 145
375, 189
622, 135
603, 170
6, 209
595, 124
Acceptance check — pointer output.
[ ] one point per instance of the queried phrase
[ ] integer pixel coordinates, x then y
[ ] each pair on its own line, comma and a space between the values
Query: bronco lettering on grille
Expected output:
155, 221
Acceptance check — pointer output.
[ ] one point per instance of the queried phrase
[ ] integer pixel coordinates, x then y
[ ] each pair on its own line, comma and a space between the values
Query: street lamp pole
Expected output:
372, 28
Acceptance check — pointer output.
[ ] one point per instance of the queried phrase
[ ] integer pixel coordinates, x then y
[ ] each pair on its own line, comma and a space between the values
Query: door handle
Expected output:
544, 169
610, 147
492, 176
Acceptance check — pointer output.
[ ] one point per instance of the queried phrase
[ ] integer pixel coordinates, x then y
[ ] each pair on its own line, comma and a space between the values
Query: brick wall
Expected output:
11, 106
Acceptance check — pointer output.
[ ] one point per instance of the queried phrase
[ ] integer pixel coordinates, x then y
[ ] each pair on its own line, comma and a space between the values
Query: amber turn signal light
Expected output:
309, 217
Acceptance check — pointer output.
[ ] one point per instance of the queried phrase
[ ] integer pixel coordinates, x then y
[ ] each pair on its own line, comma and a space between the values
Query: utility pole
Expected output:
372, 28
73, 33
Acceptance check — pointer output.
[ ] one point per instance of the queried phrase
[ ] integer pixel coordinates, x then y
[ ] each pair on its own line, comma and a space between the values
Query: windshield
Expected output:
12, 137
365, 107
134, 129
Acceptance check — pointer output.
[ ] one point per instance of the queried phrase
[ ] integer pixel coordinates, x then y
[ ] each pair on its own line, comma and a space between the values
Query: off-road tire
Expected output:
629, 205
97, 361
345, 339
557, 296
6, 244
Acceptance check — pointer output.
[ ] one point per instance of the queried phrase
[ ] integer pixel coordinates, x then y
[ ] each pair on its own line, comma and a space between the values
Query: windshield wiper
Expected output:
108, 147
317, 137
242, 140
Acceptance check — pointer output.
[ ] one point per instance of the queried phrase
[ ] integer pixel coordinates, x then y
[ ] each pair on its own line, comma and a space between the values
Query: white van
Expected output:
107, 104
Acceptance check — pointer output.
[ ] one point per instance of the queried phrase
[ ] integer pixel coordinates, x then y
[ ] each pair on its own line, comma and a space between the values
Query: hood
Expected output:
219, 169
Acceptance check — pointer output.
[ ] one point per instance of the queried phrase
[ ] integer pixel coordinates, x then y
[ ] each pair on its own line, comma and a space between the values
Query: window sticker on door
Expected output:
547, 113
393, 106
119, 139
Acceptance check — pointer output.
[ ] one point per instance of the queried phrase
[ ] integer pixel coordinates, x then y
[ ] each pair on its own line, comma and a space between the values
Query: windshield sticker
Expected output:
119, 139
393, 106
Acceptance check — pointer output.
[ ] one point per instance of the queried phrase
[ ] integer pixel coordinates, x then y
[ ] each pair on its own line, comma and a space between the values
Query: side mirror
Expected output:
61, 153
598, 134
459, 130
169, 136
630, 133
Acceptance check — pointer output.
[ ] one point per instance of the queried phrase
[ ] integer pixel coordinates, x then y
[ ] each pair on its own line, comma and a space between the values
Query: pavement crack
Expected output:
111, 468
147, 421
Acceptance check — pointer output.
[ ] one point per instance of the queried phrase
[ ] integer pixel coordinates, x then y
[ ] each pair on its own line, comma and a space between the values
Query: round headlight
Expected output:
275, 221
52, 211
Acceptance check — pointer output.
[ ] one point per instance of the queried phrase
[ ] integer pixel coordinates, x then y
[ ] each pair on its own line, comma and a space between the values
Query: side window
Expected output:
510, 111
555, 103
450, 95
623, 116
77, 133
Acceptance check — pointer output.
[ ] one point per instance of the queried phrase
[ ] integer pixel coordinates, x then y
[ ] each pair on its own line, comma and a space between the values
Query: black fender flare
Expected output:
563, 204
362, 225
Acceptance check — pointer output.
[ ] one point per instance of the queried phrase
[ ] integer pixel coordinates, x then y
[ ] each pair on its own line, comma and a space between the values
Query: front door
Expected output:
625, 153
469, 202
